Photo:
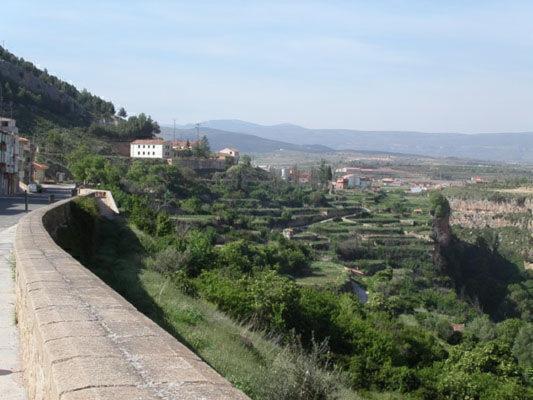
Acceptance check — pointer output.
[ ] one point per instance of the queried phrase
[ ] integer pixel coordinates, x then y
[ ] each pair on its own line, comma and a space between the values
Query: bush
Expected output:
192, 205
200, 252
523, 346
481, 328
303, 376
274, 300
169, 260
164, 225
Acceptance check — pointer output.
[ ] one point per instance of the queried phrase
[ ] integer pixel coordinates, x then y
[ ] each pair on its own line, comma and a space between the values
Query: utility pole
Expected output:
174, 131
1, 100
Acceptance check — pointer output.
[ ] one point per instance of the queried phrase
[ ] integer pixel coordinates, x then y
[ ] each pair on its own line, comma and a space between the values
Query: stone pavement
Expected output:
11, 382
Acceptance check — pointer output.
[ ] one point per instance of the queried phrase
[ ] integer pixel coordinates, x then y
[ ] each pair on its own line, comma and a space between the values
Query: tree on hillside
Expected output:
246, 160
202, 149
122, 113
440, 207
324, 173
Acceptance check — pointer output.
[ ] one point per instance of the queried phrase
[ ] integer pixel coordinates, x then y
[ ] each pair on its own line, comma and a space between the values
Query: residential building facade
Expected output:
230, 152
8, 125
10, 162
151, 148
25, 160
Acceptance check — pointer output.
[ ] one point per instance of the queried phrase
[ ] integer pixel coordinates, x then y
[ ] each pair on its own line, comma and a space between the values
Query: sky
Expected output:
437, 66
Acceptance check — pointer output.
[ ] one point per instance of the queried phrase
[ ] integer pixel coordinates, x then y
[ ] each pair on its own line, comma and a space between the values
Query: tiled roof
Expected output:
149, 141
40, 166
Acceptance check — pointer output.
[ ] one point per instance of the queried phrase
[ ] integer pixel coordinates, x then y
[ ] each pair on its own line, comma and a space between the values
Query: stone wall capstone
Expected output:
80, 340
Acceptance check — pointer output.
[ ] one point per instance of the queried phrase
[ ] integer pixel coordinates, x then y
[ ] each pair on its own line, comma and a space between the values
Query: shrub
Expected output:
523, 346
481, 328
200, 252
192, 205
274, 300
303, 376
168, 260
163, 225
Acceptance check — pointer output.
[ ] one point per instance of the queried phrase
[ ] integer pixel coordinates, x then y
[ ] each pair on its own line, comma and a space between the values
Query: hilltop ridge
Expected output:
37, 99
508, 147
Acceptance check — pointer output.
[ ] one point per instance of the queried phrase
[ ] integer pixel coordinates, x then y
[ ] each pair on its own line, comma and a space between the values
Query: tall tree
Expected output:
122, 113
324, 173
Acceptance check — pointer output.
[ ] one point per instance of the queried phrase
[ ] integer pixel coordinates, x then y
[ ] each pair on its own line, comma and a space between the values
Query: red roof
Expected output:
149, 141
38, 166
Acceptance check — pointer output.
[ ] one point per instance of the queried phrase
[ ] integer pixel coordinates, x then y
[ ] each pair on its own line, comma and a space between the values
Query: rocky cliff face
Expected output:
441, 233
442, 237
442, 230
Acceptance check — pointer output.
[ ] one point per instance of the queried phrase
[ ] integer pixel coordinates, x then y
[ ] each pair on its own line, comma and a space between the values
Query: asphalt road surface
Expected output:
12, 207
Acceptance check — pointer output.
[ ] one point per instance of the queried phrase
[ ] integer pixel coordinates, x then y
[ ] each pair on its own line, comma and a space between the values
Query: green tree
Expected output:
122, 112
164, 225
523, 346
246, 160
439, 205
202, 148
200, 252
325, 174
481, 328
274, 300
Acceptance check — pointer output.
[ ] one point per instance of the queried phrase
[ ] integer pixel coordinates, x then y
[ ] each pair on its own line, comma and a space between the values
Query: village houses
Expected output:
229, 152
16, 156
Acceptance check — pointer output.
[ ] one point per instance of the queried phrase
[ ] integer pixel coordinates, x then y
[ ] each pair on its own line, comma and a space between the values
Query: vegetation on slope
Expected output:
400, 341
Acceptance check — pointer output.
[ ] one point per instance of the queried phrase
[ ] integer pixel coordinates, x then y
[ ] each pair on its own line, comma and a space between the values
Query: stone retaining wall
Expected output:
80, 340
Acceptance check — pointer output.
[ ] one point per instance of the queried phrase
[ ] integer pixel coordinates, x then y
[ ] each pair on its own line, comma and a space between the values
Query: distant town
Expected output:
19, 168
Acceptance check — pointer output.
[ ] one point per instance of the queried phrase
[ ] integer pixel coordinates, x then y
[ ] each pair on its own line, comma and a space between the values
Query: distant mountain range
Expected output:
508, 147
247, 143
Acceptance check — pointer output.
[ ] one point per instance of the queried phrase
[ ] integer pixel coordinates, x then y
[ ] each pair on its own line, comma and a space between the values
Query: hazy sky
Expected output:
410, 65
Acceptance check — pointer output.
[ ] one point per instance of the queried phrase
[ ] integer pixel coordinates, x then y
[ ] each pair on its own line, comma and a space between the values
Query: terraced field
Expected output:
392, 232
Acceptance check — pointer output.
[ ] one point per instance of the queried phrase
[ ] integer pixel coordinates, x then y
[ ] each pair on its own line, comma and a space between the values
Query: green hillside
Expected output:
59, 118
41, 102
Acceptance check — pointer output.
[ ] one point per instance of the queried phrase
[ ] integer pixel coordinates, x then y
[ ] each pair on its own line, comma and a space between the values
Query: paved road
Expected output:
11, 210
12, 207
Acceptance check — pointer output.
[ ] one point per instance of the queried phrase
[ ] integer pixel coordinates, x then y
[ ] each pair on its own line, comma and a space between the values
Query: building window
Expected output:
153, 152
138, 153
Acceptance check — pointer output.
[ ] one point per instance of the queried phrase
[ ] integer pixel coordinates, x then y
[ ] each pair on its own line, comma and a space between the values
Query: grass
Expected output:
237, 353
324, 273
243, 356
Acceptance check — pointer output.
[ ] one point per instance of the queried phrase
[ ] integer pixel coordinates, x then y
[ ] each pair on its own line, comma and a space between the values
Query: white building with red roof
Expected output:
151, 148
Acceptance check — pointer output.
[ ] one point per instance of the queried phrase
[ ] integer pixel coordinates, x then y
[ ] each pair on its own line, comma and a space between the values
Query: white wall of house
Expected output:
150, 150
230, 152
8, 125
